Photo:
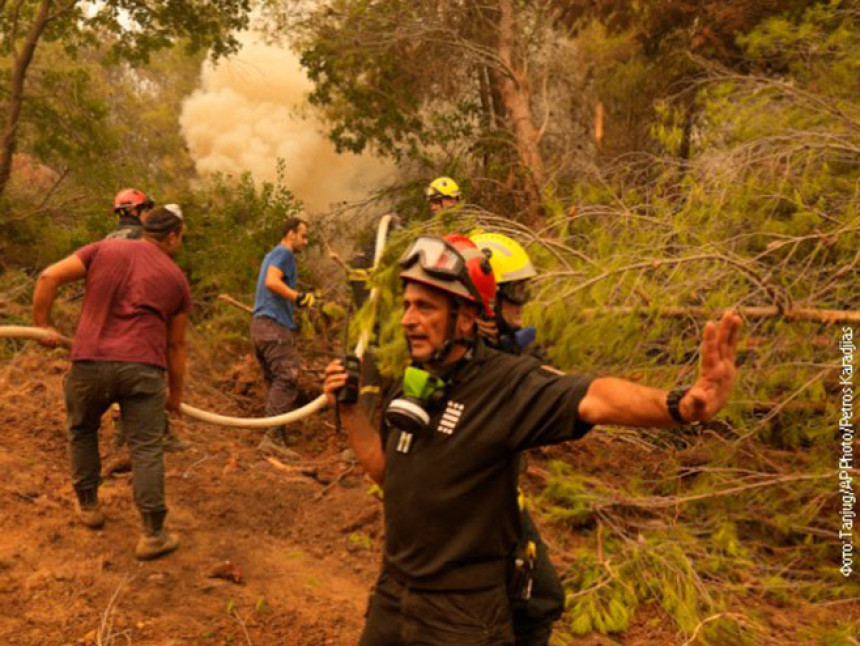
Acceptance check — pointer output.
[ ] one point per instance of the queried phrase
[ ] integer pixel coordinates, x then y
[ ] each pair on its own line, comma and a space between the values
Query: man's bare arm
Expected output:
275, 283
616, 401
176, 352
67, 270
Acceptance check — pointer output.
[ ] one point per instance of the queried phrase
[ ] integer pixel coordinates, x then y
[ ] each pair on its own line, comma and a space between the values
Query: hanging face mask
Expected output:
525, 336
420, 391
516, 341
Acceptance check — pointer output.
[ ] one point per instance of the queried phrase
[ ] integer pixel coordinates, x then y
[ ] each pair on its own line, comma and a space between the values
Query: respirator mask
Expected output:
421, 391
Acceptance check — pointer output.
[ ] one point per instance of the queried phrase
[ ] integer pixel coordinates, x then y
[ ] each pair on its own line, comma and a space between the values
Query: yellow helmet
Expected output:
509, 260
442, 187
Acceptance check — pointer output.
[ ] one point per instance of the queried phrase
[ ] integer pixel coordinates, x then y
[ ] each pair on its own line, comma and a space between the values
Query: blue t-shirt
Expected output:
266, 302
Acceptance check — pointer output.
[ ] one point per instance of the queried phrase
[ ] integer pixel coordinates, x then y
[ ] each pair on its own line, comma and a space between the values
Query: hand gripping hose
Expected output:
22, 332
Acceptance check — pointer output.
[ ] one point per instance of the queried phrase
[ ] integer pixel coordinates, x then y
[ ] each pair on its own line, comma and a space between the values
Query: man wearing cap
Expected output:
449, 472
131, 330
129, 205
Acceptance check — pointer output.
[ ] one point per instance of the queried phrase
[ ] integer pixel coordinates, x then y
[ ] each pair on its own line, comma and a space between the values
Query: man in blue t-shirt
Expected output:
273, 326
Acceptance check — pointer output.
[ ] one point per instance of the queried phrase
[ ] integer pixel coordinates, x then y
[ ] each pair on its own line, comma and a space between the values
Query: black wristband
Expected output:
673, 402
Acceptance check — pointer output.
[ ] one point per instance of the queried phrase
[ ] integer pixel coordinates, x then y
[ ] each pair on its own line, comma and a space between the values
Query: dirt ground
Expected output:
271, 553
306, 545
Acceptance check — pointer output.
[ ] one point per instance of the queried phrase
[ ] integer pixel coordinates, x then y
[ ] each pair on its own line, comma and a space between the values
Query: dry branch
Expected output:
334, 482
661, 502
232, 301
828, 317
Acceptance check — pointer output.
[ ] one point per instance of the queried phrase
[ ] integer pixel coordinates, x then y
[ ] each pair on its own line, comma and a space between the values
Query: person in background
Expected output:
273, 328
129, 205
534, 616
513, 270
442, 194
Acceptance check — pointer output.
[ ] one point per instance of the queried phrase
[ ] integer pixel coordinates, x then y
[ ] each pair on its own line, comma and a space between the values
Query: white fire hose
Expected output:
23, 332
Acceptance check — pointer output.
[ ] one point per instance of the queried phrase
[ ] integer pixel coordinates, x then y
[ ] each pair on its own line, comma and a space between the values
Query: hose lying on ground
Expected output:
36, 333
23, 332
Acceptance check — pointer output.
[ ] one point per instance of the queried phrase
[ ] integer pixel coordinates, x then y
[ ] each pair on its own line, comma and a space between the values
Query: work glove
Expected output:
305, 299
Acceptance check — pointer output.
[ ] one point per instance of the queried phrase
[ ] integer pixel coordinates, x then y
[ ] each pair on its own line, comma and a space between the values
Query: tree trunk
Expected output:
21, 61
515, 91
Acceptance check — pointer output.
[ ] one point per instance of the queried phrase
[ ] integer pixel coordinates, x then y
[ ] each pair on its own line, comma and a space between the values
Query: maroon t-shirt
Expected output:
133, 289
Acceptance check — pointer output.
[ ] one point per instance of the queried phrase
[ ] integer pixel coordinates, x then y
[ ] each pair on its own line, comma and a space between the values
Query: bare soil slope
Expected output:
305, 538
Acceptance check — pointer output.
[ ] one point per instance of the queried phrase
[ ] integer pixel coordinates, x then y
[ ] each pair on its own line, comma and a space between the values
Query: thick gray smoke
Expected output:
251, 111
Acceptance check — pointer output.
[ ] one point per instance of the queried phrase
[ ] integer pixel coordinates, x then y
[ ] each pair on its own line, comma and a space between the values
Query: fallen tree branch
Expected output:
773, 413
740, 619
334, 482
828, 317
232, 301
658, 263
659, 502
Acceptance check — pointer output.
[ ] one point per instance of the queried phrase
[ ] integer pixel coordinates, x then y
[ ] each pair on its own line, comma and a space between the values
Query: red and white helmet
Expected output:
452, 264
130, 198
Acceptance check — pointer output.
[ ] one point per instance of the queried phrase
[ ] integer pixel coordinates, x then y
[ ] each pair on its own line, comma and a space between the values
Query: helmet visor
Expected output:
436, 257
517, 292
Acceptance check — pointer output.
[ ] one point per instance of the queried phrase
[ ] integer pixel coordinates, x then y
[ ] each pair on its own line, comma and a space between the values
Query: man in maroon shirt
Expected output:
132, 329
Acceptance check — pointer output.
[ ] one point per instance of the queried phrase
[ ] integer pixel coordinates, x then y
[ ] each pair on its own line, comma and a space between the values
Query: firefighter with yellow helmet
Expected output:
513, 271
535, 612
442, 194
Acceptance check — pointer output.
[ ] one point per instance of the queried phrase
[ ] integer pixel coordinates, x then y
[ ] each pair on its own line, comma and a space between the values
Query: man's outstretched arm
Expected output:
624, 403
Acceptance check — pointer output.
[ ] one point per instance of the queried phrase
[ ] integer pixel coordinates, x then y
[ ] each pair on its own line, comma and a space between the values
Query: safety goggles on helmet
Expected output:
436, 256
439, 259
516, 291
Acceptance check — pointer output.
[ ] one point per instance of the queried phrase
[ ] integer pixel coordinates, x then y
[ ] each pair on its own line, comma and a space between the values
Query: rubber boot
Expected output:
276, 442
154, 541
88, 509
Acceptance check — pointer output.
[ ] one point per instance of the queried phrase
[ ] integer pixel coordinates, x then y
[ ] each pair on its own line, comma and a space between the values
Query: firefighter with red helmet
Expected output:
129, 205
447, 452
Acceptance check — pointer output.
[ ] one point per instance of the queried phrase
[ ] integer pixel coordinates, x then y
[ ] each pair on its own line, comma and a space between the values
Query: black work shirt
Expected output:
128, 228
451, 515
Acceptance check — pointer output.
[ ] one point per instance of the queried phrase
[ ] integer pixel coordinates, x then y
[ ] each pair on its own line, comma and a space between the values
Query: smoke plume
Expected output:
251, 110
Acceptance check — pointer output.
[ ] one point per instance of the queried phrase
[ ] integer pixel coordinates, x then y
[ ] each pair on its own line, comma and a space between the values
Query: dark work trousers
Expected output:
275, 349
533, 619
398, 615
91, 387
